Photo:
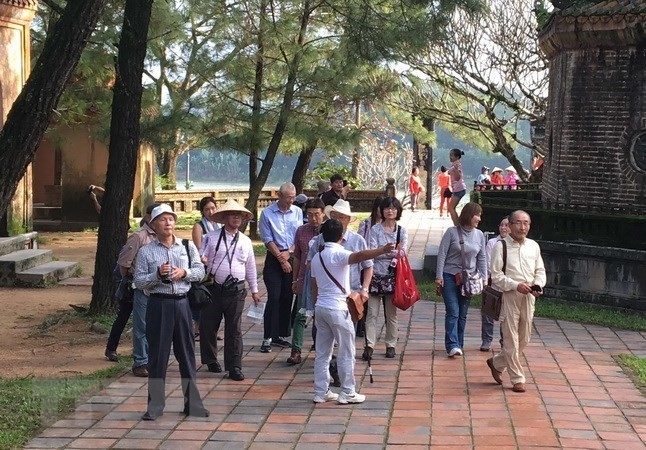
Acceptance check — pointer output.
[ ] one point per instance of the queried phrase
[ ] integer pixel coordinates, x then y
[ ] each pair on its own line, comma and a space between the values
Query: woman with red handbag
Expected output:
383, 276
462, 251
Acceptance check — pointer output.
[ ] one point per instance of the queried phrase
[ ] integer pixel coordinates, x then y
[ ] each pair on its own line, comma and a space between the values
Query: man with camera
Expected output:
230, 260
338, 190
522, 282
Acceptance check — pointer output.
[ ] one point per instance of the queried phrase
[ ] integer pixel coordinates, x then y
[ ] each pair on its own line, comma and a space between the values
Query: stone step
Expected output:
47, 274
18, 242
47, 213
20, 261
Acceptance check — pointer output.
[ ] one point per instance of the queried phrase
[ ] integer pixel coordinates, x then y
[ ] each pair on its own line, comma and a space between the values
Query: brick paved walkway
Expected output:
577, 397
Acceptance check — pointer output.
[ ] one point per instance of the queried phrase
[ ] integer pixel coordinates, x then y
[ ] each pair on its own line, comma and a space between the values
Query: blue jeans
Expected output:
139, 341
455, 319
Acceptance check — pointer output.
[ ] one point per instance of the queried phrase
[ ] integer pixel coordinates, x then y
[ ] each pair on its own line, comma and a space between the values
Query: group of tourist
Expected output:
318, 259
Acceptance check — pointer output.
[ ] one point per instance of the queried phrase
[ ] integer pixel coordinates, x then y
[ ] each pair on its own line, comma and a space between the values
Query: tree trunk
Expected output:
256, 140
354, 171
31, 113
168, 169
124, 148
503, 147
285, 110
302, 164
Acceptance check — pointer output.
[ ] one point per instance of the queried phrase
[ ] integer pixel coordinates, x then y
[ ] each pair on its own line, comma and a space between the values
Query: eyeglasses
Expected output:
525, 223
390, 208
314, 214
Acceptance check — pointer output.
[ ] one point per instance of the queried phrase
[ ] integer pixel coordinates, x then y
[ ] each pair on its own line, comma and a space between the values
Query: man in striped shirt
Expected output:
230, 259
162, 268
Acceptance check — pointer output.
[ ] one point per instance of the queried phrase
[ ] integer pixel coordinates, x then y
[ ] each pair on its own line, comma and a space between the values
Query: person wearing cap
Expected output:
339, 190
496, 178
511, 178
331, 269
483, 179
162, 268
277, 225
300, 201
229, 255
387, 231
137, 305
322, 187
314, 208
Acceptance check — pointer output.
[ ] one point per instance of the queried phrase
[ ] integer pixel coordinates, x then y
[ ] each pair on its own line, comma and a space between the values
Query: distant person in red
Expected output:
443, 182
537, 162
496, 178
415, 188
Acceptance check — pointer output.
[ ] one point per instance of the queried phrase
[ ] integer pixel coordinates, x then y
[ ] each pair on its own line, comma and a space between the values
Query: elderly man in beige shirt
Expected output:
521, 283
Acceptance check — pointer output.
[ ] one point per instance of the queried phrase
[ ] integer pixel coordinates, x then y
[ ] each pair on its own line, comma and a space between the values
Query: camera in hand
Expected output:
536, 288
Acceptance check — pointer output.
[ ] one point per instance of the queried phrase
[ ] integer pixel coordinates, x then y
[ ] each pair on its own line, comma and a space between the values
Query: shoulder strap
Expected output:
188, 252
330, 275
504, 255
204, 230
399, 231
461, 237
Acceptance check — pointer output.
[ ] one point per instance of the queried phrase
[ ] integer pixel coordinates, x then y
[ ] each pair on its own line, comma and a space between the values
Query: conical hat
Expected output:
231, 206
510, 169
496, 169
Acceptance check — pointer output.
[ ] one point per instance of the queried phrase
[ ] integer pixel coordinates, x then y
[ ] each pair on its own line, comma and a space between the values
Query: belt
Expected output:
173, 296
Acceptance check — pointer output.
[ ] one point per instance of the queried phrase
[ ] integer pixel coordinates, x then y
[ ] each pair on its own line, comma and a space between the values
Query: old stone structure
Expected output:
596, 119
15, 17
596, 151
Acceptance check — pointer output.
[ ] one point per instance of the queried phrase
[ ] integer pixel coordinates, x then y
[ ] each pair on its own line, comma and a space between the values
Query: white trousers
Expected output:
516, 316
374, 307
334, 325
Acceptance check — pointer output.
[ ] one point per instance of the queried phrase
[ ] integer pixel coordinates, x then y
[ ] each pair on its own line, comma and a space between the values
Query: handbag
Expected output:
199, 295
491, 298
353, 299
471, 283
385, 284
406, 292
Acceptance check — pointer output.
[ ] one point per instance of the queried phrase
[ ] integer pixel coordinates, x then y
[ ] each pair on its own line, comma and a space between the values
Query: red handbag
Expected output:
406, 293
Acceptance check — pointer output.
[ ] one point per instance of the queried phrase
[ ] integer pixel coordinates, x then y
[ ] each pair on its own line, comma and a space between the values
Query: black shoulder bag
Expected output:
199, 295
491, 298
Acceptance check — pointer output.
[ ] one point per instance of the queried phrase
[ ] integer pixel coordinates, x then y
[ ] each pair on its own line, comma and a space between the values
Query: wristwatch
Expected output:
364, 289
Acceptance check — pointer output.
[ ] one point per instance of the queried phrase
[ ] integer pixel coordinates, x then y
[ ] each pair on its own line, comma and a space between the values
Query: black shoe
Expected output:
214, 367
111, 355
266, 346
236, 374
149, 415
313, 348
390, 352
196, 412
279, 342
367, 354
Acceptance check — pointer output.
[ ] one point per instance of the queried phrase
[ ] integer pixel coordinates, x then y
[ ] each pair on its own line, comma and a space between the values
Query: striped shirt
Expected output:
243, 261
153, 255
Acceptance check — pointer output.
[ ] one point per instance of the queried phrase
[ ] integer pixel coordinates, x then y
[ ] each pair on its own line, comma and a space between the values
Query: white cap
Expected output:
162, 209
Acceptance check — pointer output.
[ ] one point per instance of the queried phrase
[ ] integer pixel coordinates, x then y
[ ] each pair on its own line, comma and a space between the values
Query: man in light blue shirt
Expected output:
277, 226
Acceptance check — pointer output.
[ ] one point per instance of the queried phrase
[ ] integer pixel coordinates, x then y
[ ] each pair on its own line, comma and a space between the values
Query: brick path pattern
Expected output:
577, 394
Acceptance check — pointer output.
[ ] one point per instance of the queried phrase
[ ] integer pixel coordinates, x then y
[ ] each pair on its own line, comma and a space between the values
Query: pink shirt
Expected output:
457, 180
240, 253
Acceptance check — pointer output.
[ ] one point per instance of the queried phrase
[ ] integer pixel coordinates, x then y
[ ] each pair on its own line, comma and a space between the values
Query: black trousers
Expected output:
230, 307
119, 324
278, 311
168, 321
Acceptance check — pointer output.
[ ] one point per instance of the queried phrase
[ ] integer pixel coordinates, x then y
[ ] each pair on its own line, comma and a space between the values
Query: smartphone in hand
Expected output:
536, 288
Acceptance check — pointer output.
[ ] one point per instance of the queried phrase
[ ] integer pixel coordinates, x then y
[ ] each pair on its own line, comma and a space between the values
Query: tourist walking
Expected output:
444, 183
522, 283
383, 277
278, 224
162, 269
230, 261
331, 285
462, 251
458, 186
415, 187
488, 322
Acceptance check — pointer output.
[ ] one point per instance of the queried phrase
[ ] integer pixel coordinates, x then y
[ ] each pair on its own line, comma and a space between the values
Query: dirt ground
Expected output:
64, 348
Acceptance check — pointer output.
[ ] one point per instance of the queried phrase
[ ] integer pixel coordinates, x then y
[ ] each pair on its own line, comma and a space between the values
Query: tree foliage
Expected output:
489, 77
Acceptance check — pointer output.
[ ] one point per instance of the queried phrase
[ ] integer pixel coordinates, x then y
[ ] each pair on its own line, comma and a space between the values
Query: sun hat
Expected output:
342, 207
496, 169
161, 209
231, 206
510, 169
484, 168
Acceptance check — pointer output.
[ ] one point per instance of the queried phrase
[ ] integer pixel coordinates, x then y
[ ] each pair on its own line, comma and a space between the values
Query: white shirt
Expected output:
336, 260
524, 264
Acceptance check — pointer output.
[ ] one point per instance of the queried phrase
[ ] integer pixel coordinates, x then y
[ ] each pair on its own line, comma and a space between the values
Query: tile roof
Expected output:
21, 3
605, 8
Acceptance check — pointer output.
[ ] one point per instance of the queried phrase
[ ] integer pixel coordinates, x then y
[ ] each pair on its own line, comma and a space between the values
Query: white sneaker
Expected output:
329, 396
455, 352
344, 398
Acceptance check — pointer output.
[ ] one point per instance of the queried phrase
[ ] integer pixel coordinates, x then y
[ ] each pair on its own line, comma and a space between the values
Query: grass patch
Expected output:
259, 249
29, 404
563, 310
186, 221
637, 366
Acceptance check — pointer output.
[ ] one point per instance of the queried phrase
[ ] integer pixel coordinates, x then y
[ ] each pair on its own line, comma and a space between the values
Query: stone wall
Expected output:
602, 275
